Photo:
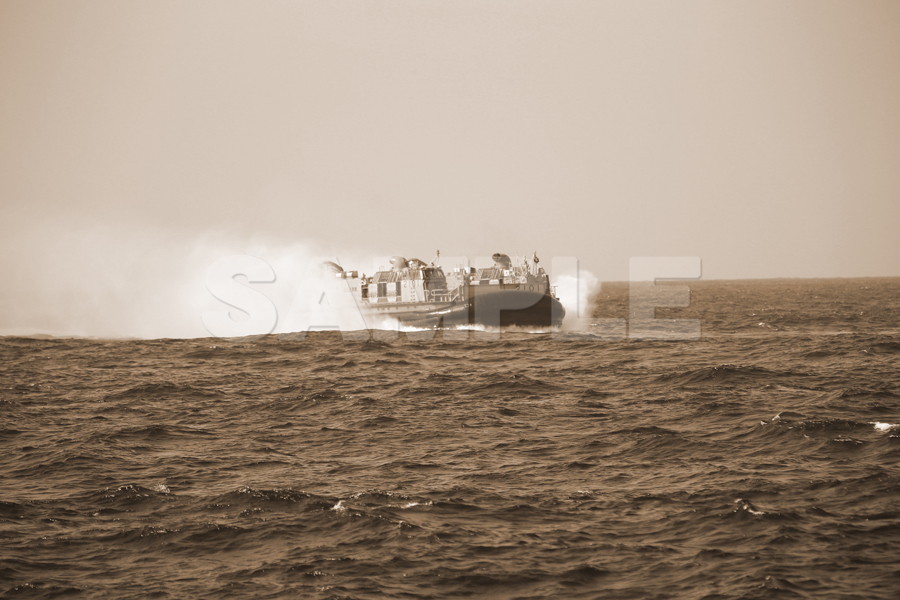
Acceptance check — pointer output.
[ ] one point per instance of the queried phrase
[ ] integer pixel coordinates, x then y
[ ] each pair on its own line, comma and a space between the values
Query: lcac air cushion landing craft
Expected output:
421, 294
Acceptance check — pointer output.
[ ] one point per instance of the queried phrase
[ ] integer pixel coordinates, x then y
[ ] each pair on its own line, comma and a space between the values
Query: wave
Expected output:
853, 393
152, 432
510, 384
724, 373
12, 510
645, 431
163, 389
828, 425
248, 497
126, 496
378, 421
148, 534
834, 433
883, 348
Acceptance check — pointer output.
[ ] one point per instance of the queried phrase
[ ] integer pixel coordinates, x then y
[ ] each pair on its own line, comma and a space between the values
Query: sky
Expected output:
141, 140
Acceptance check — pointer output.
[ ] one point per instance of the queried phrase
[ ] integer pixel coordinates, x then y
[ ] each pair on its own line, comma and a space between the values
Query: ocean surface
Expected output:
761, 460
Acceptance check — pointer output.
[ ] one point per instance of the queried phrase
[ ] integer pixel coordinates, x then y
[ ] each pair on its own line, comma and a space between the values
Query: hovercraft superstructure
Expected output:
422, 294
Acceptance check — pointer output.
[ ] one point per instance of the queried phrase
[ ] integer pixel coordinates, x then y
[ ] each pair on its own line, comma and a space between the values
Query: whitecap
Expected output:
879, 426
745, 505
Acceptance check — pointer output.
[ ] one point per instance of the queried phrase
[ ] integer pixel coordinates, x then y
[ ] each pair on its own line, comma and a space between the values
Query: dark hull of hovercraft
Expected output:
508, 308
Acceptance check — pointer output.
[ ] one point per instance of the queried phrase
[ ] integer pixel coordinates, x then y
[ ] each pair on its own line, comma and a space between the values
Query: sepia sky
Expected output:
761, 136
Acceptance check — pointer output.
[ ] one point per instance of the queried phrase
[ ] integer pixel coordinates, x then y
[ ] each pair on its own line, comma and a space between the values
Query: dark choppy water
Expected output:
758, 462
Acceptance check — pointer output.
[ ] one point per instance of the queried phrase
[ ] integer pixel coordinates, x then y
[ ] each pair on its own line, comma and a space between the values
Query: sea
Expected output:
759, 458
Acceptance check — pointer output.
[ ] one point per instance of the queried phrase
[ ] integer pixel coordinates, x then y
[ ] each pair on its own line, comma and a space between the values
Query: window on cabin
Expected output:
434, 279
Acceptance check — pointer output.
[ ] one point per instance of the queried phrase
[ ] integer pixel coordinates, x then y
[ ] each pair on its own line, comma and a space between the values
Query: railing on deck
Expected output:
441, 295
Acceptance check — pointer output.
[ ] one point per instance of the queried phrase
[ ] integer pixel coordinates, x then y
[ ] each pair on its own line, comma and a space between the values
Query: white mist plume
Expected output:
576, 289
306, 295
100, 282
